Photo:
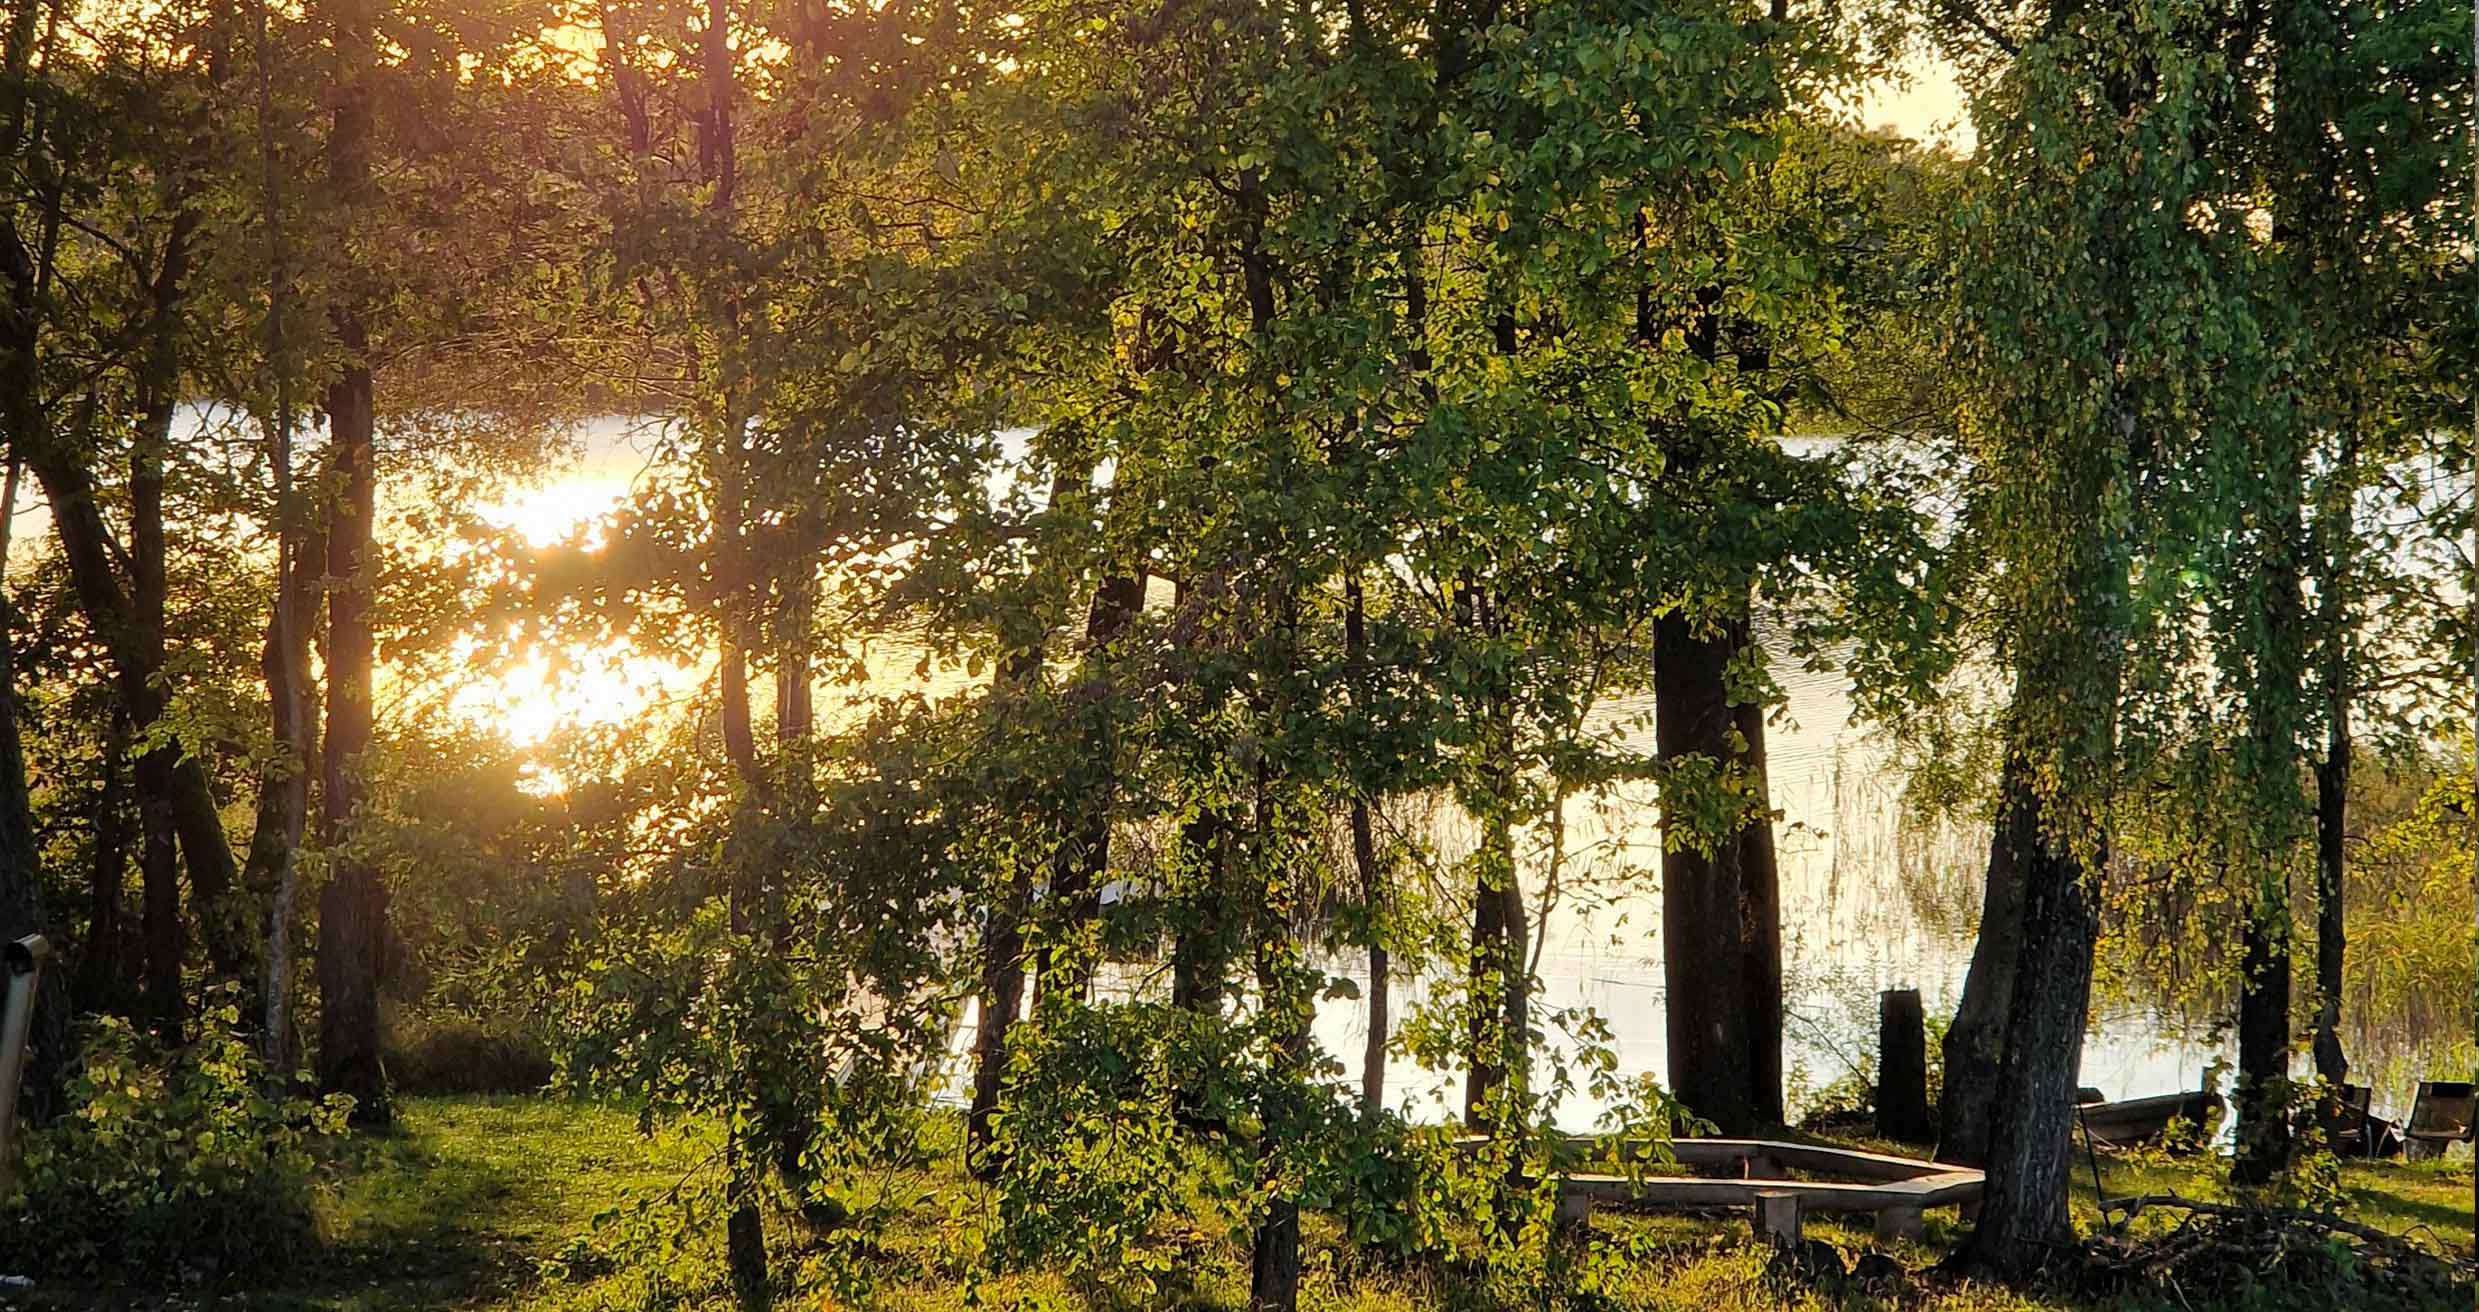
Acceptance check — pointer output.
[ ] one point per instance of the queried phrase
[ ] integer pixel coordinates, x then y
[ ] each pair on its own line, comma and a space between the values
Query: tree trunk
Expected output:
1760, 902
1001, 1000
1084, 858
1372, 877
1705, 958
1975, 1044
22, 909
2023, 1220
1201, 946
160, 894
2332, 815
1274, 1253
1485, 1065
2263, 1102
2276, 703
272, 871
105, 958
1372, 892
352, 943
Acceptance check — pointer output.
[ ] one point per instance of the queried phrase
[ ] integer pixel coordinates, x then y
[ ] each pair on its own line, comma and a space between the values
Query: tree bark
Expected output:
22, 904
1493, 937
2023, 1220
2276, 705
1975, 1044
105, 957
1001, 1000
160, 898
1201, 946
1705, 958
1760, 903
352, 942
1084, 858
2263, 1103
2332, 816
1372, 877
272, 870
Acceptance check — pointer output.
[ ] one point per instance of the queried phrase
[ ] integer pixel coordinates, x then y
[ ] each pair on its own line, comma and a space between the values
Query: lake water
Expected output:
1869, 903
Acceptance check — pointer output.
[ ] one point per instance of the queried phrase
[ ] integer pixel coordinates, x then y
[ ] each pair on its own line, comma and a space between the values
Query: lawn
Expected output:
492, 1203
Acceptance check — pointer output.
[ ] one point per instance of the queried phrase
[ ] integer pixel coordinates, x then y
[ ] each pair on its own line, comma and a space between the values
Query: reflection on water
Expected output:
1870, 901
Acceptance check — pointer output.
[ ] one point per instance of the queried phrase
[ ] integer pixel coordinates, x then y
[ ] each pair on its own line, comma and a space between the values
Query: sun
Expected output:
582, 685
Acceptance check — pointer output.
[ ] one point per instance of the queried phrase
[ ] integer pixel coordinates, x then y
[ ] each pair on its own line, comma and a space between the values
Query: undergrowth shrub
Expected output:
166, 1165
446, 1052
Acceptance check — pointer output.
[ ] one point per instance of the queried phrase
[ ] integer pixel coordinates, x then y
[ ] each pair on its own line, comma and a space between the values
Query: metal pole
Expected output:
24, 962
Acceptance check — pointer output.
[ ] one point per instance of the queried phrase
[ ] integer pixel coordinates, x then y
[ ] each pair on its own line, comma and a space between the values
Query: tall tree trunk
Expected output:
157, 388
1975, 1043
1372, 876
1201, 944
1485, 1068
352, 945
1274, 1251
106, 960
22, 904
1760, 903
1003, 975
272, 871
2276, 706
719, 169
2336, 526
2332, 815
1705, 958
160, 897
2023, 1220
1084, 859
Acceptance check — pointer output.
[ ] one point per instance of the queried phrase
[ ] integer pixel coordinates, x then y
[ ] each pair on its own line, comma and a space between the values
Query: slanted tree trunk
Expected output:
1705, 959
2023, 1220
1975, 1043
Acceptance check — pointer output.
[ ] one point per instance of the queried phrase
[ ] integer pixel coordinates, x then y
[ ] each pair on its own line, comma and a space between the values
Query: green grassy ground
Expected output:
491, 1203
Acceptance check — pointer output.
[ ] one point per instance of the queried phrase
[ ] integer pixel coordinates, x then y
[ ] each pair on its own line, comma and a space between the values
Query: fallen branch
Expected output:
2135, 1204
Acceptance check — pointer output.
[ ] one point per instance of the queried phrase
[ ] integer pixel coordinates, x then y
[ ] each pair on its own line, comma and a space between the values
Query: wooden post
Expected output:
1902, 1068
1900, 1223
1777, 1217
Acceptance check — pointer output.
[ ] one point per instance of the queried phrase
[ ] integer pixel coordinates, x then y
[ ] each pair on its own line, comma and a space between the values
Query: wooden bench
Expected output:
1897, 1191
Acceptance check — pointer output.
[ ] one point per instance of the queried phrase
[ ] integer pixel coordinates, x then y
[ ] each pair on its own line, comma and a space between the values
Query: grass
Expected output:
489, 1204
